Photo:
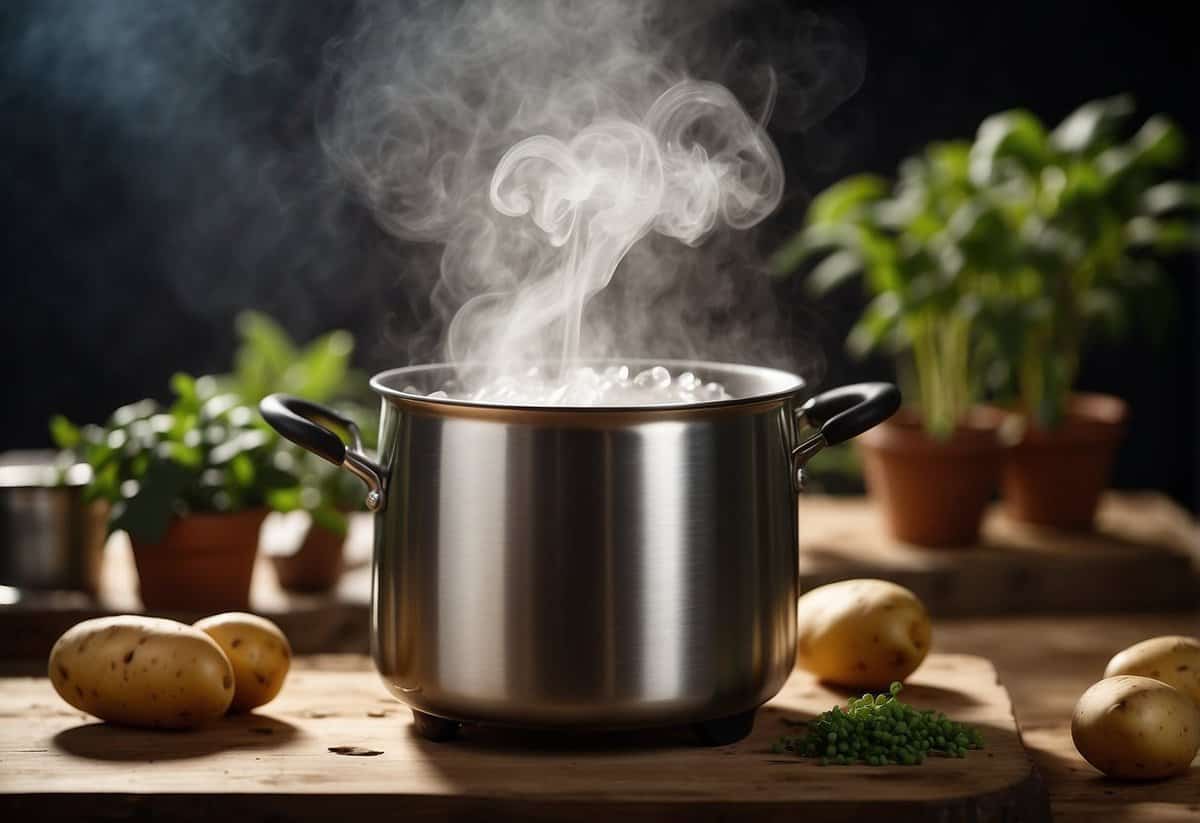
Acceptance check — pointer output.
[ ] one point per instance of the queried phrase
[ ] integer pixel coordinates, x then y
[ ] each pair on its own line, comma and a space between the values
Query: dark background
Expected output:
131, 240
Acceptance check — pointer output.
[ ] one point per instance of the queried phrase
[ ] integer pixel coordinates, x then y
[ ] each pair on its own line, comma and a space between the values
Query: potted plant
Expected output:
1089, 213
927, 252
269, 360
190, 484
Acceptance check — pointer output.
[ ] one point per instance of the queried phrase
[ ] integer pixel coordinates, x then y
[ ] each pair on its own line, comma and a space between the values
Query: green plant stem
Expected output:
941, 355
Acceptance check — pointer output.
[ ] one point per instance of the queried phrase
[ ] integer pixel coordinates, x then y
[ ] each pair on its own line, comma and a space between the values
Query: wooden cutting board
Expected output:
277, 764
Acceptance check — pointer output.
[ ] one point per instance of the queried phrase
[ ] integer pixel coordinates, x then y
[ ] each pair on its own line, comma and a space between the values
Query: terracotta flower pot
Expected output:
933, 492
1055, 477
203, 564
314, 567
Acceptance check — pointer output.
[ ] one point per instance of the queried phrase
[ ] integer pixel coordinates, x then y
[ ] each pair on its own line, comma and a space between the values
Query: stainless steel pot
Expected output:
587, 567
50, 538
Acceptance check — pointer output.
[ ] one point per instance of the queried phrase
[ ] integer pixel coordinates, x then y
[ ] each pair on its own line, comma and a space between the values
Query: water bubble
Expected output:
654, 378
588, 386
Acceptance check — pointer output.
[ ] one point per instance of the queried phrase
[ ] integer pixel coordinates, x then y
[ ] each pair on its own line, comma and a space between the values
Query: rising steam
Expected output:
695, 157
540, 145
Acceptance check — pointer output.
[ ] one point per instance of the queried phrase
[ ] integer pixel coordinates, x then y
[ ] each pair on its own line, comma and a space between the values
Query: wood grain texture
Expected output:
1142, 556
1047, 663
57, 764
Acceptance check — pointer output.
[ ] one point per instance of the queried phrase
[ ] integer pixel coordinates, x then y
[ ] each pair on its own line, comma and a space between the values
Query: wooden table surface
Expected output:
1046, 663
283, 763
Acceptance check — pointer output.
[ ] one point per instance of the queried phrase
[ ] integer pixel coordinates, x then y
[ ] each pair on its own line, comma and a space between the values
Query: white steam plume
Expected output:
694, 157
536, 143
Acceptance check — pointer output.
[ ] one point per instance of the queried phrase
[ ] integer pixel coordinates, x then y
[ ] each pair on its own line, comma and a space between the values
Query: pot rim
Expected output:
778, 385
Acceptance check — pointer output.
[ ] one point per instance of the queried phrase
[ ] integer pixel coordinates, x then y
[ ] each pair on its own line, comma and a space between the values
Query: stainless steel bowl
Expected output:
587, 567
50, 538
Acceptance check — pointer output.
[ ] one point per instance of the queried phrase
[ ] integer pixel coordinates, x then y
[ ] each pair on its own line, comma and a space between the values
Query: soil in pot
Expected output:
1055, 477
203, 564
933, 492
314, 567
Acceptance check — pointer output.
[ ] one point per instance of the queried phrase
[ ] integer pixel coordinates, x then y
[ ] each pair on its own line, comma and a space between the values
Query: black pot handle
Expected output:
844, 413
307, 425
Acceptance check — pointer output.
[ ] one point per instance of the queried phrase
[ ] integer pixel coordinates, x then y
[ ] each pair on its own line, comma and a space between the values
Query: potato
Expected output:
142, 671
1174, 659
861, 633
1136, 728
259, 652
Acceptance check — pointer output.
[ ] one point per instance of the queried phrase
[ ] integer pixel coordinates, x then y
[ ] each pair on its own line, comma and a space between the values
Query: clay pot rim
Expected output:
255, 511
188, 528
1090, 418
976, 434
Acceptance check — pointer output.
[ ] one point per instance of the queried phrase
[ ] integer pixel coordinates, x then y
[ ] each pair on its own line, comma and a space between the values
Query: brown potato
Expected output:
1136, 728
142, 671
1174, 659
862, 633
259, 652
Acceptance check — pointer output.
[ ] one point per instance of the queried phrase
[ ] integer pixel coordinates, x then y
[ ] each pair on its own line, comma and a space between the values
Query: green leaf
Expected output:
1164, 236
877, 322
949, 161
321, 372
147, 514
1159, 142
242, 469
833, 271
1158, 145
330, 519
812, 240
187, 456
1087, 129
1016, 136
184, 387
265, 354
64, 433
244, 441
842, 200
1170, 196
284, 500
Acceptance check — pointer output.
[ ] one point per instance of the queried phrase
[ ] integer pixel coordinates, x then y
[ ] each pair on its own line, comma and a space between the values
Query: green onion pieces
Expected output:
879, 730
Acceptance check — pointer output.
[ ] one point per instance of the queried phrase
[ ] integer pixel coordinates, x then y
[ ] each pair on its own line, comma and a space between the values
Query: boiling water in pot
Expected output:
587, 386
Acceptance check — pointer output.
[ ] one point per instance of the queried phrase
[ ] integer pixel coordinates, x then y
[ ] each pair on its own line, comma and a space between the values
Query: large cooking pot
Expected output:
587, 567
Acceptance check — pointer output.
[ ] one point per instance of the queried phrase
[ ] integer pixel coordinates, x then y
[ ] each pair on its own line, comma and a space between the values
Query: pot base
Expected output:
725, 730
433, 728
721, 731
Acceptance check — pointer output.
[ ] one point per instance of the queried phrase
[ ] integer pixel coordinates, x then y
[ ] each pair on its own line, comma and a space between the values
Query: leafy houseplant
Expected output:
190, 483
1088, 213
921, 247
268, 360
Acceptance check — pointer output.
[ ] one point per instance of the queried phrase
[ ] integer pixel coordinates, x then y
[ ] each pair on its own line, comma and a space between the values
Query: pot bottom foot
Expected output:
725, 730
435, 729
